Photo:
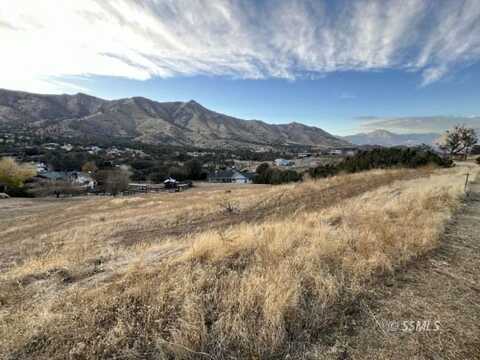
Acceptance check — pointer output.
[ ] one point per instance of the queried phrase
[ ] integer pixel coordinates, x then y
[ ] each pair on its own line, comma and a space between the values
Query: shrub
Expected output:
273, 176
323, 171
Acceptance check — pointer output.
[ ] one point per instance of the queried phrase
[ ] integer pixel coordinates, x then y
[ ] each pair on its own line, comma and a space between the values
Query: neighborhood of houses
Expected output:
238, 171
86, 180
94, 150
223, 175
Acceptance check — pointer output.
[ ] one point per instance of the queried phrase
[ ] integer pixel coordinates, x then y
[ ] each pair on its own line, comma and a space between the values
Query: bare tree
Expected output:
458, 141
114, 180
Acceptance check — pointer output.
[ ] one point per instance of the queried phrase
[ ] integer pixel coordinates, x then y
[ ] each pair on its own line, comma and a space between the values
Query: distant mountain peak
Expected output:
387, 138
192, 104
380, 132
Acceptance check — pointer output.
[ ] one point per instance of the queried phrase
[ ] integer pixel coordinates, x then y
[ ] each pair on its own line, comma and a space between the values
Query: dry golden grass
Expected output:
260, 287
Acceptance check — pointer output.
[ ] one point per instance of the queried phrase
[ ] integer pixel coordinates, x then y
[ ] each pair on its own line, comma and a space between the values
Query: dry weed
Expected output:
251, 290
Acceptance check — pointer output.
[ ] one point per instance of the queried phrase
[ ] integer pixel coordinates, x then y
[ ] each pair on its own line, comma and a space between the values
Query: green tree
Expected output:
459, 141
194, 170
262, 168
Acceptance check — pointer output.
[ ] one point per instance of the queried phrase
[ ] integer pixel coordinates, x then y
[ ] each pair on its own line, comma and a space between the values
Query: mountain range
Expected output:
144, 120
387, 138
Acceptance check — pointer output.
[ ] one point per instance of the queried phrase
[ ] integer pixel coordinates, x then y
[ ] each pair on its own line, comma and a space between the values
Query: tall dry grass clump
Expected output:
249, 291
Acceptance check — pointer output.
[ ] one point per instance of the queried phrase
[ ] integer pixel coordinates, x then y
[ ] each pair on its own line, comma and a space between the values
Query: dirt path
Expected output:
430, 310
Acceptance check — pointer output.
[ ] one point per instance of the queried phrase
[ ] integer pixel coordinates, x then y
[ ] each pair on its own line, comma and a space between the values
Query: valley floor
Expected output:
314, 270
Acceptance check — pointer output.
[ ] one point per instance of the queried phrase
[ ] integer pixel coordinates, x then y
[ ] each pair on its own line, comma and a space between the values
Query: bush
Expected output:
323, 171
273, 176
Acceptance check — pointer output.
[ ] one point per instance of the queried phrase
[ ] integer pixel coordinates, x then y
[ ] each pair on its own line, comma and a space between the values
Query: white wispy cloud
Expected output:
45, 40
417, 124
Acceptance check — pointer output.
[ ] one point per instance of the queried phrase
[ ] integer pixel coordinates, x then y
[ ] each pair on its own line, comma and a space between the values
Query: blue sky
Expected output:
345, 66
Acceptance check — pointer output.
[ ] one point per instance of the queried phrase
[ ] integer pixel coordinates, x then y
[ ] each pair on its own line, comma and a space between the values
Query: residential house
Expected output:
335, 152
229, 176
40, 167
283, 162
53, 175
82, 179
67, 147
74, 177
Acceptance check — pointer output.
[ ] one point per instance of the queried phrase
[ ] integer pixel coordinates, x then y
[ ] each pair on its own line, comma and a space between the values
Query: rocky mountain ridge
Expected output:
148, 121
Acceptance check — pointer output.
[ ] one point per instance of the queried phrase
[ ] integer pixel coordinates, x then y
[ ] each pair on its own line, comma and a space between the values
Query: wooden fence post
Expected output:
466, 183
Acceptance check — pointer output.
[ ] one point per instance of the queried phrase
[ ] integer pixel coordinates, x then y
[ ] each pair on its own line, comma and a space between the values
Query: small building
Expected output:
346, 151
94, 149
335, 152
67, 147
170, 183
304, 155
82, 179
50, 146
40, 167
79, 178
228, 176
283, 162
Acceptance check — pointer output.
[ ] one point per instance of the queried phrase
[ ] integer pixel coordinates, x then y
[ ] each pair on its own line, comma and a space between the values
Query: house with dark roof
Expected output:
53, 175
229, 176
73, 177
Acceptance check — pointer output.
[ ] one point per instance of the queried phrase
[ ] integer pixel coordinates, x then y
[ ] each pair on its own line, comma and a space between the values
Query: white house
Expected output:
83, 179
335, 152
282, 162
229, 176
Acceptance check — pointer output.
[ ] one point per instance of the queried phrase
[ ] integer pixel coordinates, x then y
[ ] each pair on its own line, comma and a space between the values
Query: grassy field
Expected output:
240, 272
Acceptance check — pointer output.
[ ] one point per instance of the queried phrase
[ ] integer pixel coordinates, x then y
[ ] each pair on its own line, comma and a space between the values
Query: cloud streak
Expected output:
48, 39
418, 124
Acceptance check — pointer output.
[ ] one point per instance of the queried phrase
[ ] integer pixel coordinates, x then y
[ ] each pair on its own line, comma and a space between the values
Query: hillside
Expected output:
387, 138
178, 276
144, 120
